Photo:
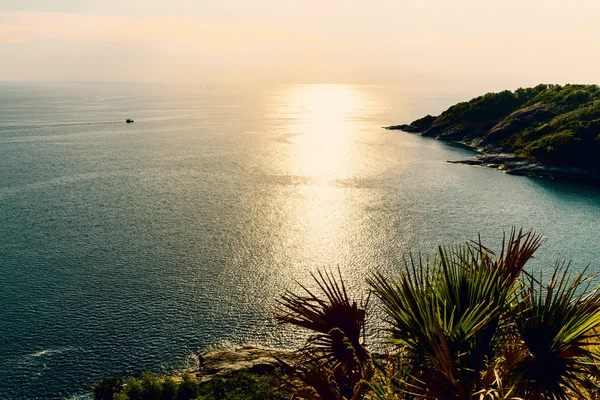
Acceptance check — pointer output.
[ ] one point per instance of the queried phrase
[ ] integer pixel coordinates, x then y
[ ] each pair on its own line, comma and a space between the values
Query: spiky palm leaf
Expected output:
334, 361
435, 310
448, 313
466, 324
557, 324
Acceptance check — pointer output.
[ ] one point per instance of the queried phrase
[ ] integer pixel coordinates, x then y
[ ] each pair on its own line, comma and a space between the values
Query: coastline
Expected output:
507, 162
243, 370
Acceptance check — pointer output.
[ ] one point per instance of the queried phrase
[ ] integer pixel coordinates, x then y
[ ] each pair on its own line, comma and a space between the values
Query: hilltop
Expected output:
548, 130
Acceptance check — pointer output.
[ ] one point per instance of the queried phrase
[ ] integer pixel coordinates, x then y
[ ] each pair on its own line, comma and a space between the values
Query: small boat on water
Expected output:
129, 121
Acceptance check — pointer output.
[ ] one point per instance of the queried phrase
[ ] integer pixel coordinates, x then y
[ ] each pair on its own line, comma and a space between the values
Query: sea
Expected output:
132, 247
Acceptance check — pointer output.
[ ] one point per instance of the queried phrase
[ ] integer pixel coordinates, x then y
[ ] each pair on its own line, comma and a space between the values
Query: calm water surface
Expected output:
127, 247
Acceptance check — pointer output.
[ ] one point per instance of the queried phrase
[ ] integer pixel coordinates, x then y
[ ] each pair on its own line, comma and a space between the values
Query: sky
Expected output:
419, 43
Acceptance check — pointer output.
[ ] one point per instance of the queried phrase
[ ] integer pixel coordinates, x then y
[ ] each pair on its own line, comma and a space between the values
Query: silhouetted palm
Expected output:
465, 324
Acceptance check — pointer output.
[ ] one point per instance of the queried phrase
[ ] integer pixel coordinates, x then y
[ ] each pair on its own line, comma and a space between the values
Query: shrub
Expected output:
133, 388
243, 386
151, 387
169, 389
188, 388
107, 388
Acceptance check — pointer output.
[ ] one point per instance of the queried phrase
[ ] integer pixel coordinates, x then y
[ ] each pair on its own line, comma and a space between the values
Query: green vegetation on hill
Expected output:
554, 124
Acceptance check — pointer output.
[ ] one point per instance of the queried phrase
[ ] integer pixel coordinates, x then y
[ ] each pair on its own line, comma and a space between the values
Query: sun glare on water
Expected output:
324, 152
323, 145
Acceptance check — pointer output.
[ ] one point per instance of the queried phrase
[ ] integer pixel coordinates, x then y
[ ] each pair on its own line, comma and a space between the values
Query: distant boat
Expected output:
129, 121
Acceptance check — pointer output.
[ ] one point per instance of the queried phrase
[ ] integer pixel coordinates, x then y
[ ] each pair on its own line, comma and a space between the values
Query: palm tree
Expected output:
465, 324
334, 364
448, 315
556, 323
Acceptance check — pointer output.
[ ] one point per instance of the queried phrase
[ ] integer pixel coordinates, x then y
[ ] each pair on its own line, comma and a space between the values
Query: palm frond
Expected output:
556, 322
466, 324
448, 313
334, 361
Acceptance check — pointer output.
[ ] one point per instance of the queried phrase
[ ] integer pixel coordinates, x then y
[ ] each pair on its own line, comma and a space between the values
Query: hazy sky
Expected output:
422, 42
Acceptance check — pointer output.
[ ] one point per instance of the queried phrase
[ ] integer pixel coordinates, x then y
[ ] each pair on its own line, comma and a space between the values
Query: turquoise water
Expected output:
127, 247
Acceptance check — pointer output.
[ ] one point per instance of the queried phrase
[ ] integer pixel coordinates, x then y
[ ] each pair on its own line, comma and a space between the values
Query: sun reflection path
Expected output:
322, 215
323, 146
325, 157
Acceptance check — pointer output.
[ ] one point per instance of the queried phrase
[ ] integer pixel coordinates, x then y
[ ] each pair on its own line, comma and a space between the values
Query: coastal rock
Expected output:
467, 162
224, 363
514, 165
418, 126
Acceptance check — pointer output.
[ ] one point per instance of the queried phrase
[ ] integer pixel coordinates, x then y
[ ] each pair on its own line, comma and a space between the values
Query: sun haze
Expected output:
421, 43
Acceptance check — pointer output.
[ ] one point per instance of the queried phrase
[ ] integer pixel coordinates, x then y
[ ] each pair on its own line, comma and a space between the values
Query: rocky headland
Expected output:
547, 131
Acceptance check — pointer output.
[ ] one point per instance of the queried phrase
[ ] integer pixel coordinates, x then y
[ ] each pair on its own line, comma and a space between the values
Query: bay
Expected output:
128, 247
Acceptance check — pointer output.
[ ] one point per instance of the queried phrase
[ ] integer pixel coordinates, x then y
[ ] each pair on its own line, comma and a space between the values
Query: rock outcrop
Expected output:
225, 363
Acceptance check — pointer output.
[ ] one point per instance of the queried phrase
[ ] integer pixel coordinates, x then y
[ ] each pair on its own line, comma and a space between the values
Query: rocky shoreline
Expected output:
549, 131
246, 372
510, 163
513, 165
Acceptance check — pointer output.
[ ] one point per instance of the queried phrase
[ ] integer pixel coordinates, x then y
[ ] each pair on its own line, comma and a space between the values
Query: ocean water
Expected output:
128, 247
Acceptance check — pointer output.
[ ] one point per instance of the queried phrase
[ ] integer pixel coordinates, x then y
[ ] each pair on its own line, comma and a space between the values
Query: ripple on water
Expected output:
127, 248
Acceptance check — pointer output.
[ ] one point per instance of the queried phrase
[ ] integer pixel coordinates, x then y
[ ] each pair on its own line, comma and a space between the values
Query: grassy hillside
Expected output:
553, 124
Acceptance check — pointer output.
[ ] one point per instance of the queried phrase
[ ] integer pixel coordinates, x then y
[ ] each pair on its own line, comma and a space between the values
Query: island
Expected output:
547, 130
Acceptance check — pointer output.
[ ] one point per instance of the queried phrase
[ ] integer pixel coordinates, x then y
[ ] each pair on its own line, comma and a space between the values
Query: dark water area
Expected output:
128, 247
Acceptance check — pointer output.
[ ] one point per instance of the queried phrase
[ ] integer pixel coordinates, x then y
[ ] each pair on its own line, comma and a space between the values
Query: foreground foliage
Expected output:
466, 324
240, 386
333, 364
